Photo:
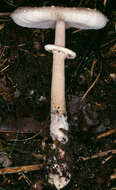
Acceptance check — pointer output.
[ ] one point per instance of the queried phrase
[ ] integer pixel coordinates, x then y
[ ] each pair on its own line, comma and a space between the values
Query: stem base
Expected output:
59, 128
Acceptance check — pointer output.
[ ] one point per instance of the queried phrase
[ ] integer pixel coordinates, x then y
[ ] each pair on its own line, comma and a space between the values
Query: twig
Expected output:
2, 52
4, 68
99, 154
92, 67
107, 133
27, 139
2, 26
105, 1
5, 14
21, 169
107, 43
4, 20
113, 176
4, 61
92, 85
78, 30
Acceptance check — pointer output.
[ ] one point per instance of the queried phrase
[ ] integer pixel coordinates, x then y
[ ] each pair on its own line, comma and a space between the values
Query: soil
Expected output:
25, 88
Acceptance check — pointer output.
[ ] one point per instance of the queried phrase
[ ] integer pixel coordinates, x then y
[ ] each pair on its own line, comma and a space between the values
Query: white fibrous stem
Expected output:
59, 125
59, 122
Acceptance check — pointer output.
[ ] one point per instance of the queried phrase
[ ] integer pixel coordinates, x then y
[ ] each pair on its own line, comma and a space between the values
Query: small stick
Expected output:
5, 14
4, 68
113, 176
89, 89
99, 154
92, 67
20, 169
107, 133
92, 85
4, 20
2, 26
105, 1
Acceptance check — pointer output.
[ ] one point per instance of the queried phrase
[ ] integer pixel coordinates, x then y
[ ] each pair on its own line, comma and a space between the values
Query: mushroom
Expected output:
59, 18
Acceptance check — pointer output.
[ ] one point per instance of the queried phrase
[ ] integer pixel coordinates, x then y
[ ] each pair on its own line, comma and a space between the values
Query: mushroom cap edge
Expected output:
46, 17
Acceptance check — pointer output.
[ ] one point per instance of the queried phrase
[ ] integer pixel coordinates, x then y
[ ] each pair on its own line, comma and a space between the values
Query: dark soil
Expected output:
25, 82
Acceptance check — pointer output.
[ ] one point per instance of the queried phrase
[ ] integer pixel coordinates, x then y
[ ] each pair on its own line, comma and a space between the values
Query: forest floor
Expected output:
25, 88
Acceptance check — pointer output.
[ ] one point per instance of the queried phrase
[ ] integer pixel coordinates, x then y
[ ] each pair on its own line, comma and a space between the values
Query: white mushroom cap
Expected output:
46, 17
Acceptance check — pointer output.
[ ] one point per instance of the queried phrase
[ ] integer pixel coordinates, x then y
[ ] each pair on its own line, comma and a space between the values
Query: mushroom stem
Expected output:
59, 124
58, 108
60, 33
58, 79
58, 85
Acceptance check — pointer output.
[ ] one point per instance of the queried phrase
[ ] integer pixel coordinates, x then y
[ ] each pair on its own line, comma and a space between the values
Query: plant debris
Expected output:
25, 83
